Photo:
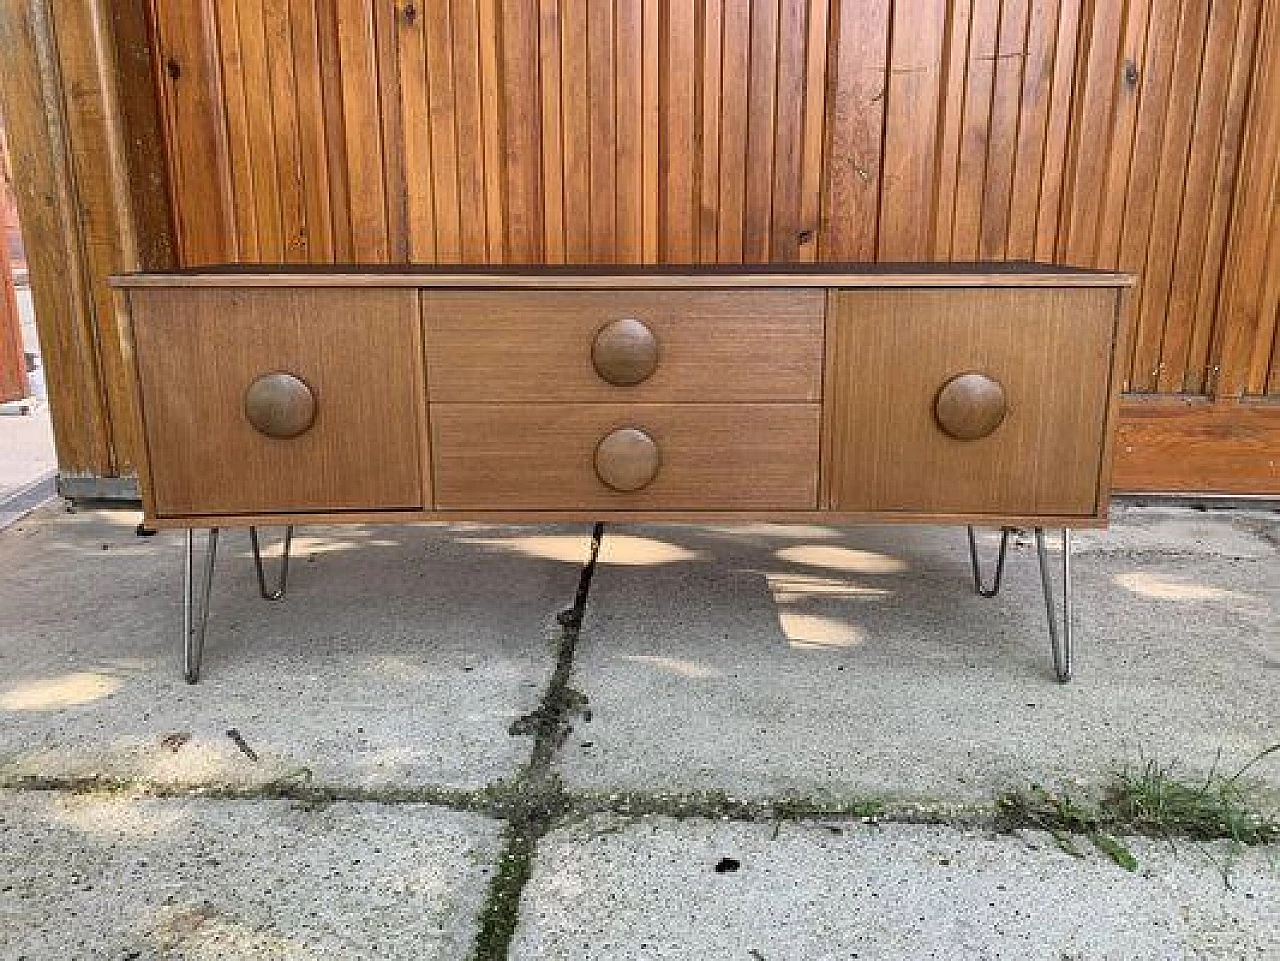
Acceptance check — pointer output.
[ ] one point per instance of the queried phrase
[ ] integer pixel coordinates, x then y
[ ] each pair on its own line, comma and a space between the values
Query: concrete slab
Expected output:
611, 890
99, 877
399, 658
26, 449
837, 664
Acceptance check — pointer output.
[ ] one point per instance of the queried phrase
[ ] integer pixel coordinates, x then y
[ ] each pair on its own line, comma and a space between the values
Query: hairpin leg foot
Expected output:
1060, 640
978, 586
195, 611
279, 591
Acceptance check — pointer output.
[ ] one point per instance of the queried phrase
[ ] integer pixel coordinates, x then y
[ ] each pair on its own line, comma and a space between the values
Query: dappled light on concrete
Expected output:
104, 818
1147, 584
815, 632
57, 693
630, 550
563, 548
841, 559
788, 588
676, 665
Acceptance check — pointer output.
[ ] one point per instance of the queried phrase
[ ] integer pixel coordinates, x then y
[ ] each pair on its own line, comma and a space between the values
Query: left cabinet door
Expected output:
263, 400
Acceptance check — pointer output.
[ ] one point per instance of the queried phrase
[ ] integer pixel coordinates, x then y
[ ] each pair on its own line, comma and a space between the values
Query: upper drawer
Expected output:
709, 345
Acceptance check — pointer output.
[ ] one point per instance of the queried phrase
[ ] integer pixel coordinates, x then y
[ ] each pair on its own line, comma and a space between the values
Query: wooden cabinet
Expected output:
964, 394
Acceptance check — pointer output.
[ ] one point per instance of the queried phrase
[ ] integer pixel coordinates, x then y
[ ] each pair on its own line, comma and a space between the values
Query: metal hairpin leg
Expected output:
195, 617
278, 593
994, 589
1059, 637
1061, 643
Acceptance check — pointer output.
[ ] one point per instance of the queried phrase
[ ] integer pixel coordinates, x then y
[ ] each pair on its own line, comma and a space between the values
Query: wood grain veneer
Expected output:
542, 457
713, 345
890, 353
198, 351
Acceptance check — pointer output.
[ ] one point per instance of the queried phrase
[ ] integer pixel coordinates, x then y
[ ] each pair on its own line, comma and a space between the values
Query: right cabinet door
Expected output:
962, 401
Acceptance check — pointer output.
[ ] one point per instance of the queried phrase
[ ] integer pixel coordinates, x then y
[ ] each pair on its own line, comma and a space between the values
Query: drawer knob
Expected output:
625, 352
627, 459
280, 405
970, 406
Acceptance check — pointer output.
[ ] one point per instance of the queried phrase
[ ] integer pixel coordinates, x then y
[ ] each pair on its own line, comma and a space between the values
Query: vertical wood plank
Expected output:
678, 154
552, 131
493, 121
1193, 239
975, 129
335, 130
284, 120
630, 110
950, 127
1170, 202
1140, 200
709, 124
1244, 321
1053, 183
762, 93
470, 124
786, 217
312, 130
1202, 370
651, 82
1124, 125
1007, 104
577, 134
735, 52
239, 144
1029, 151
415, 99
200, 170
602, 112
1089, 149
438, 35
362, 119
815, 111
254, 58
856, 91
391, 117
523, 132
910, 129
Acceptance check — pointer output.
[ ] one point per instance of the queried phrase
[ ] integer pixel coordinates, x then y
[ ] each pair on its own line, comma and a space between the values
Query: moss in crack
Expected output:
501, 911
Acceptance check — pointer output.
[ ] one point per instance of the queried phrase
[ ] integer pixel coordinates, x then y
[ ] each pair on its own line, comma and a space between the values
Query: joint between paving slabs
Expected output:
536, 800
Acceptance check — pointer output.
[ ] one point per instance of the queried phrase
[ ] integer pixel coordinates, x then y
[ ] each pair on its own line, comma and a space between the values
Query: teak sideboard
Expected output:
974, 395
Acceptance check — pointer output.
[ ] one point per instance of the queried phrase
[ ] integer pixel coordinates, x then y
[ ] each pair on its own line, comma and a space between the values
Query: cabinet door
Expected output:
346, 431
977, 401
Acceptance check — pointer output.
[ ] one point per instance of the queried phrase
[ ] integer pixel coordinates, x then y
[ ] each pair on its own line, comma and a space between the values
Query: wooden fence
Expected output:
1143, 135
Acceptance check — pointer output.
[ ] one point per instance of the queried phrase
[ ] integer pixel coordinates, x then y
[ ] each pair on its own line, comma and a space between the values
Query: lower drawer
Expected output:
625, 456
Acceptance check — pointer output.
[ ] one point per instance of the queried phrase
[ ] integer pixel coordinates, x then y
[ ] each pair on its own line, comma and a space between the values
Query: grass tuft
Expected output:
1153, 800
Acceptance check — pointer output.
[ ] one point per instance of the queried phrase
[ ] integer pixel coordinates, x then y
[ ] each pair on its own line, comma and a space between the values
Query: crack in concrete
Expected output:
538, 800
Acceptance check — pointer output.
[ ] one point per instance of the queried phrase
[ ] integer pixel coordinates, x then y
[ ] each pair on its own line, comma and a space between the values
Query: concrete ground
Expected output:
427, 761
28, 462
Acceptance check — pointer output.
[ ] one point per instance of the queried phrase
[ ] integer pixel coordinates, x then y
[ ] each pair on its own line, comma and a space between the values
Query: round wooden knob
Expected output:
280, 405
970, 406
627, 460
625, 352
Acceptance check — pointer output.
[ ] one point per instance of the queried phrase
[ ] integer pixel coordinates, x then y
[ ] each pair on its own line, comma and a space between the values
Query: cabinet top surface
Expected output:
570, 277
